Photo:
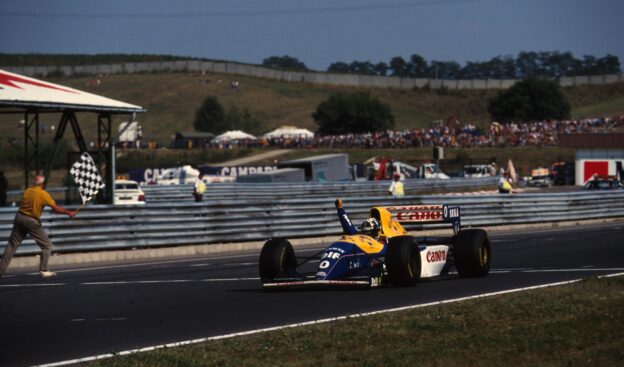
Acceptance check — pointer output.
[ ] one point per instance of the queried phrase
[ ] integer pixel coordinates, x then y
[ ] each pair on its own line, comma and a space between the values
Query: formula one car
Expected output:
386, 255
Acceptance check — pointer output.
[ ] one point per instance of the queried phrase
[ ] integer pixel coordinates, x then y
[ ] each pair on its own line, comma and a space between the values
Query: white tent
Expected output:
233, 135
289, 132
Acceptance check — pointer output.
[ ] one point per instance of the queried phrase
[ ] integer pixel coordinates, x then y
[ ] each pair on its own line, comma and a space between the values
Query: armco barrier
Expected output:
101, 227
163, 193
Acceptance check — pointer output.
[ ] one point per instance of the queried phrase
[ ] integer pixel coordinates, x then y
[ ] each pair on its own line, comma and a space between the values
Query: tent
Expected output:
233, 135
21, 91
32, 97
289, 132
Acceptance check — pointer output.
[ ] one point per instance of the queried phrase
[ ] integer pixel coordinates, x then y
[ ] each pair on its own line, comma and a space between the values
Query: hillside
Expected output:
172, 98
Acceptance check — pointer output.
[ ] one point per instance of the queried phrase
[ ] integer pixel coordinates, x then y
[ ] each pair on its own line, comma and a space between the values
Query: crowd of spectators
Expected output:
449, 135
538, 133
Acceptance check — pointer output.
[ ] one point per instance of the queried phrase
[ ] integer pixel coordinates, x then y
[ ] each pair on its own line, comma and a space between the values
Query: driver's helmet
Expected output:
370, 227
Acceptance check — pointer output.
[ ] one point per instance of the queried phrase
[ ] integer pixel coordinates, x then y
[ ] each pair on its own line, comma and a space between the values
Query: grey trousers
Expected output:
23, 225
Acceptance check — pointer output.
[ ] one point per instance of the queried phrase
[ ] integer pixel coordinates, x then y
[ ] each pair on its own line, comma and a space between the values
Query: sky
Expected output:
317, 33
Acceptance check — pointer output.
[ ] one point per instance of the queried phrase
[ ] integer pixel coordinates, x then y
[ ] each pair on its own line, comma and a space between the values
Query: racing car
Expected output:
386, 255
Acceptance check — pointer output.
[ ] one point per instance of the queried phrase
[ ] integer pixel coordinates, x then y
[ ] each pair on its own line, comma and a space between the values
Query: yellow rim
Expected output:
483, 255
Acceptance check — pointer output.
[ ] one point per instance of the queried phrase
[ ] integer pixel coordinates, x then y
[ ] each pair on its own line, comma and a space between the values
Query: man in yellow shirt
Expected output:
396, 188
27, 222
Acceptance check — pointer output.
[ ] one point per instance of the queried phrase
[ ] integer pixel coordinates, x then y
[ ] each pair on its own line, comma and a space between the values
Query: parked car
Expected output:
128, 192
603, 183
540, 177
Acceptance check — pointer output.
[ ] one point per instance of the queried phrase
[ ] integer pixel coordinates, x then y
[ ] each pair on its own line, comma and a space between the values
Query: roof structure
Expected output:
289, 132
233, 135
29, 93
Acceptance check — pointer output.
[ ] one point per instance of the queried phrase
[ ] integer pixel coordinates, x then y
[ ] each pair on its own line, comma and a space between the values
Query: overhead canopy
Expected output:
289, 132
233, 135
21, 91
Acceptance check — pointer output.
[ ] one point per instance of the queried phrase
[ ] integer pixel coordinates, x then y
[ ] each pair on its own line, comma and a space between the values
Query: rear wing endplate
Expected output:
427, 214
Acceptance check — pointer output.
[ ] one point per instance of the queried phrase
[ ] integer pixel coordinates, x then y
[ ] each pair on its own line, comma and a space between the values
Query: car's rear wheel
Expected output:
277, 257
403, 261
472, 253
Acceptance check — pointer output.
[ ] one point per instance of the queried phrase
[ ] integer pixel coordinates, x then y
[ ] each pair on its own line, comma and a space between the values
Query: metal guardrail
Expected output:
164, 193
222, 220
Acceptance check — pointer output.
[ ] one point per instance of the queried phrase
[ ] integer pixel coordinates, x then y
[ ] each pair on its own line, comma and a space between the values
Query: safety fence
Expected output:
223, 220
164, 193
365, 81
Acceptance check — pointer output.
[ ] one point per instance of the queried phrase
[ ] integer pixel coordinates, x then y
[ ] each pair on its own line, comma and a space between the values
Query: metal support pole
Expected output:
29, 140
106, 146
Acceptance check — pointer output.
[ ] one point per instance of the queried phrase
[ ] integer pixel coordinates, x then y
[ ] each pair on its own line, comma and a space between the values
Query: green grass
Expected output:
172, 98
580, 324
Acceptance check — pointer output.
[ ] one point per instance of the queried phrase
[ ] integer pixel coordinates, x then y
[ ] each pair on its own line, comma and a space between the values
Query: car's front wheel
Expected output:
472, 252
277, 257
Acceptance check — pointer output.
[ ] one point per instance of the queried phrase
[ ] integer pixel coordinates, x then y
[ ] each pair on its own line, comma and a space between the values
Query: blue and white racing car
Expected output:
381, 252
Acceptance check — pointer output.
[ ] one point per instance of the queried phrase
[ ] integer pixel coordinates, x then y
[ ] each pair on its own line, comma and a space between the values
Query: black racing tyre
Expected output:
472, 252
403, 261
277, 256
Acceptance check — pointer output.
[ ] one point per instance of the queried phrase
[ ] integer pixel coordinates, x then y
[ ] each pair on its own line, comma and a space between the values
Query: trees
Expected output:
527, 64
284, 62
210, 116
242, 119
533, 99
352, 113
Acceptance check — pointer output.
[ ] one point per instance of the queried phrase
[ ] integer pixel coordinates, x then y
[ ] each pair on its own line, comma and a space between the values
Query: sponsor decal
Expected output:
414, 208
335, 249
420, 216
435, 256
321, 274
330, 255
324, 264
451, 212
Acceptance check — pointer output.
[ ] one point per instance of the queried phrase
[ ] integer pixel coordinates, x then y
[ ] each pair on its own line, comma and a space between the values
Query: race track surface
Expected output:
94, 310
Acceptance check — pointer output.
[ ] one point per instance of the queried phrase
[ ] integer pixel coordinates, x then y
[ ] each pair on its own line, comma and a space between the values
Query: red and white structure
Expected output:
596, 154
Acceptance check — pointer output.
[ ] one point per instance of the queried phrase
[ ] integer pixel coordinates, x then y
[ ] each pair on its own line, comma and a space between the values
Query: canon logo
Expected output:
435, 256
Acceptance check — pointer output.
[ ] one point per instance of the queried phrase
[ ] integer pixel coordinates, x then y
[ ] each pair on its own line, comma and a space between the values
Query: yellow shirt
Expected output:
33, 201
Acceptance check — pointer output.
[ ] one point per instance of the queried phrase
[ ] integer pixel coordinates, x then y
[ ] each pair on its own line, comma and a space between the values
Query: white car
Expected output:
128, 192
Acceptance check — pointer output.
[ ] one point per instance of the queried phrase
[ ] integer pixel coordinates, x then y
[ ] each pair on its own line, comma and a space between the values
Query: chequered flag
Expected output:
86, 177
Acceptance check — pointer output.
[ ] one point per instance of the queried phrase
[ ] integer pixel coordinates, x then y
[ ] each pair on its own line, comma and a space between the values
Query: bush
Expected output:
533, 99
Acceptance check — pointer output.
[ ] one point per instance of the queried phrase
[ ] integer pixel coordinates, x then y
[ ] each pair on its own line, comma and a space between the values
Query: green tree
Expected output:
237, 119
532, 99
284, 62
210, 117
352, 113
399, 67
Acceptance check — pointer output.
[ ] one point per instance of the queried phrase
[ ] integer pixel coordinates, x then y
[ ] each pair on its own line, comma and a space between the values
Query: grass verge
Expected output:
578, 324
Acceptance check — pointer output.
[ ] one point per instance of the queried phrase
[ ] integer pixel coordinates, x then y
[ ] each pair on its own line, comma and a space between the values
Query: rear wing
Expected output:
427, 214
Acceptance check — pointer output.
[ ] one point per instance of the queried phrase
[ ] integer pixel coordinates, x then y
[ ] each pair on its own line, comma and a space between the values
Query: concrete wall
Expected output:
366, 81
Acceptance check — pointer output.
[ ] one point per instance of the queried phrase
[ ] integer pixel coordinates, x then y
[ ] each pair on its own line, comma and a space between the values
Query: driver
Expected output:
370, 227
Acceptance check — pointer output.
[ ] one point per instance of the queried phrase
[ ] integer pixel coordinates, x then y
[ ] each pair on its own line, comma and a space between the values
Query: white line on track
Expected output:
307, 323
588, 268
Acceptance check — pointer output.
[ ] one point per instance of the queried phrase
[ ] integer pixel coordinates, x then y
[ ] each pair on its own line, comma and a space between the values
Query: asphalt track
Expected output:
94, 310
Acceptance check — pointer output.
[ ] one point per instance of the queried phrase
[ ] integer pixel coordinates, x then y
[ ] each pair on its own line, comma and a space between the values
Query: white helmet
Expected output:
370, 227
